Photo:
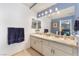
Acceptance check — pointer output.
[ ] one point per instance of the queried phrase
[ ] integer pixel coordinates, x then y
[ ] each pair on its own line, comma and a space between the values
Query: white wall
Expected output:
14, 15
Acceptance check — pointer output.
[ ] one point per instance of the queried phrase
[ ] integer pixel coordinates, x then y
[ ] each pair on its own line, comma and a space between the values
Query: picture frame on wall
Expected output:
55, 25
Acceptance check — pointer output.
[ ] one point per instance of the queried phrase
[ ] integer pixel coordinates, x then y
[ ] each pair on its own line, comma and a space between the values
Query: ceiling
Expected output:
39, 6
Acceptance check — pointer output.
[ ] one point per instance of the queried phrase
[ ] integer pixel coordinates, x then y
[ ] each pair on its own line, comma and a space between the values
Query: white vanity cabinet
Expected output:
52, 48
46, 49
33, 42
36, 43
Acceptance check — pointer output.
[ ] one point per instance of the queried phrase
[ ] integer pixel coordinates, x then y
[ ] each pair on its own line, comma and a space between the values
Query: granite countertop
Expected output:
64, 40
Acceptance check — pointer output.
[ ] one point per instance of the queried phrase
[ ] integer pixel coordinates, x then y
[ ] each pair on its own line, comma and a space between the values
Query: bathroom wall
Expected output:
14, 15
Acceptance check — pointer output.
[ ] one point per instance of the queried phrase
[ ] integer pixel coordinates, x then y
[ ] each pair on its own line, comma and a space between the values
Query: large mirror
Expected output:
60, 22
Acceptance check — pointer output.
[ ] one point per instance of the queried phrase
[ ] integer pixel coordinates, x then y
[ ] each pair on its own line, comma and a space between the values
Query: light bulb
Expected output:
50, 10
56, 9
42, 14
39, 14
46, 12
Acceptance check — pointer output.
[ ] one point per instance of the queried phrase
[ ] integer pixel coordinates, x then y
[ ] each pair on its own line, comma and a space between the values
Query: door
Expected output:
39, 45
46, 50
33, 42
36, 43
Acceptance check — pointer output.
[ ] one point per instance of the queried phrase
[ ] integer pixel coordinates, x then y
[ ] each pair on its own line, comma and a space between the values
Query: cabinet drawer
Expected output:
31, 37
39, 40
62, 47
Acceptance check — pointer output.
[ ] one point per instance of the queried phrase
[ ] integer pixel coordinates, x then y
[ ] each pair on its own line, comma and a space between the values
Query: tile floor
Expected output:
28, 52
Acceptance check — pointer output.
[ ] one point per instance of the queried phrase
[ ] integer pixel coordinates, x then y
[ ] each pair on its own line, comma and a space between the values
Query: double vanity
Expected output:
54, 45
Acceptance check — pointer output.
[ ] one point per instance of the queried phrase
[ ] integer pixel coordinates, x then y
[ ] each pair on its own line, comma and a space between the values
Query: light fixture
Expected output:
39, 15
56, 9
50, 10
46, 12
42, 14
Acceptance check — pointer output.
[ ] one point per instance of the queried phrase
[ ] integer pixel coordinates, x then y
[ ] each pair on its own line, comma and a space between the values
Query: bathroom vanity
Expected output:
53, 45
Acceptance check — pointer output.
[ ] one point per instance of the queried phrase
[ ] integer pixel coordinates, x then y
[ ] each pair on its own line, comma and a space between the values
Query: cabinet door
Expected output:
36, 43
33, 43
46, 50
39, 45
57, 52
62, 47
